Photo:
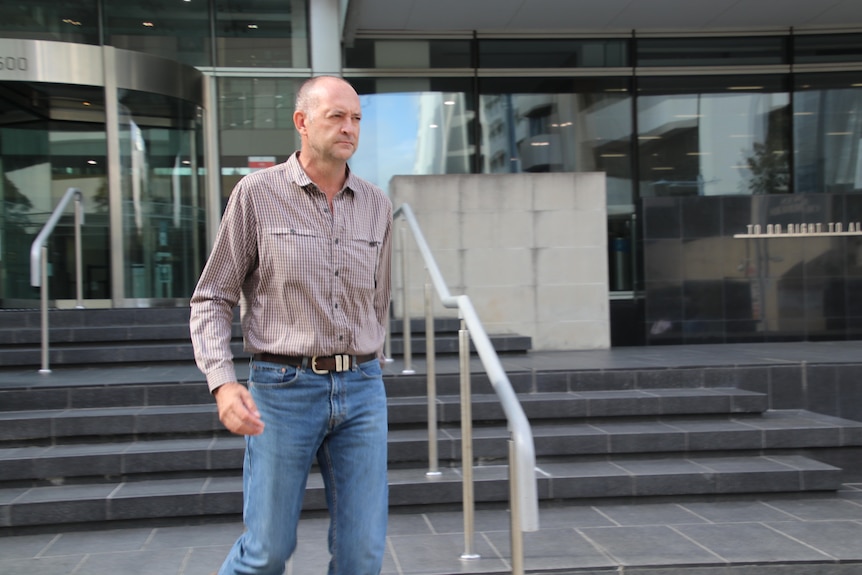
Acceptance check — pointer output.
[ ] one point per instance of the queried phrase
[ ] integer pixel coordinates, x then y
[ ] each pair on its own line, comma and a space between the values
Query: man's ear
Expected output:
299, 121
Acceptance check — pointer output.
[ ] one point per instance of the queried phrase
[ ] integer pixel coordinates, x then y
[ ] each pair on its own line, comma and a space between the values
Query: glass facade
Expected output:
699, 137
719, 135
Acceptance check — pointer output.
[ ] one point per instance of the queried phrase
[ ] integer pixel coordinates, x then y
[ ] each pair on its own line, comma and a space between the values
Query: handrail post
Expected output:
431, 378
43, 295
39, 262
516, 536
467, 444
79, 276
405, 320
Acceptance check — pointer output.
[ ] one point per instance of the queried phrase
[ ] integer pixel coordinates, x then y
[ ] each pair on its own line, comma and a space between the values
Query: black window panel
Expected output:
827, 48
553, 53
736, 51
440, 53
527, 85
711, 84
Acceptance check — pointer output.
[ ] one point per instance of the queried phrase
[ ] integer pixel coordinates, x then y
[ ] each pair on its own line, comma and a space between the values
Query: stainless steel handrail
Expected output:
522, 459
39, 262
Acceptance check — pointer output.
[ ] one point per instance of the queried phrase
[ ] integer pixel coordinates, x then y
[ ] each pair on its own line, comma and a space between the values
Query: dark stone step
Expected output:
203, 496
54, 424
785, 431
171, 344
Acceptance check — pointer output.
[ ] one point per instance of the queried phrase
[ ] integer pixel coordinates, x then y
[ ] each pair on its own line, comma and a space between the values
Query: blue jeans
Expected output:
339, 418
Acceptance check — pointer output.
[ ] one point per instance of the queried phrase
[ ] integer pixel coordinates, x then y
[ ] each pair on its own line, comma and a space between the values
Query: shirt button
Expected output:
336, 306
336, 240
336, 273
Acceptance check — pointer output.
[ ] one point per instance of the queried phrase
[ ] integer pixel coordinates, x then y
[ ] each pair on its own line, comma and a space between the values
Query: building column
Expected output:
324, 32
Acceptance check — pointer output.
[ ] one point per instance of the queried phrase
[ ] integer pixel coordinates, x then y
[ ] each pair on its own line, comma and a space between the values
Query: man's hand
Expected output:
236, 409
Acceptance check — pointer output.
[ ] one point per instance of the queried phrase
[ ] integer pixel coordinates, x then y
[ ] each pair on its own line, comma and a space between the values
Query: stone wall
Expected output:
530, 250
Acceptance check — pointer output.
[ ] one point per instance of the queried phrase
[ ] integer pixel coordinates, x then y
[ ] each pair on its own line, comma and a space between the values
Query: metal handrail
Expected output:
39, 262
522, 459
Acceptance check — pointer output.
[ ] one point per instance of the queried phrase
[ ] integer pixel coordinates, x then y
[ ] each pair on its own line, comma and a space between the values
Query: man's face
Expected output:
331, 129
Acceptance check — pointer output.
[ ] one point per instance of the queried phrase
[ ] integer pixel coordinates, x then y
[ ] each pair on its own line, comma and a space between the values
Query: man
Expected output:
305, 247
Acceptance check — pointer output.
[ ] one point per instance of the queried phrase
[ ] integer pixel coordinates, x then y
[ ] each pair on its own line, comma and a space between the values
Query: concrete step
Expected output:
112, 336
51, 425
131, 348
220, 495
776, 430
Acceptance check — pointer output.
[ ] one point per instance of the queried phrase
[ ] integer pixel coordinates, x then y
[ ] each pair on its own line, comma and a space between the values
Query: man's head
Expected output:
327, 116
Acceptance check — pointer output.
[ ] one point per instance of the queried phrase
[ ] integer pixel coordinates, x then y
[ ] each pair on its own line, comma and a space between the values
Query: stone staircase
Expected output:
89, 451
100, 336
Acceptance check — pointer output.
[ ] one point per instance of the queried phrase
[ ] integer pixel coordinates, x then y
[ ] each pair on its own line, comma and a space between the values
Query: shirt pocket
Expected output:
362, 263
291, 252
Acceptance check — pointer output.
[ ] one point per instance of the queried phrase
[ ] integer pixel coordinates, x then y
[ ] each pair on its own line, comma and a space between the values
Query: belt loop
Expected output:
304, 365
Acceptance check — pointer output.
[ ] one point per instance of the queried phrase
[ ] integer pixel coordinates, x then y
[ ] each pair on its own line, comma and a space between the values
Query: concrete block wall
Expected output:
530, 250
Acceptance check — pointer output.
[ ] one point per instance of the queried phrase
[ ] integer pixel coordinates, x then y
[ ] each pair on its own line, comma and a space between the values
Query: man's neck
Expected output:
328, 176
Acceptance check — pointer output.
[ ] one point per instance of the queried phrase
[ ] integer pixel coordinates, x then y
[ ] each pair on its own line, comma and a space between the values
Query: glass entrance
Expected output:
162, 203
52, 137
136, 156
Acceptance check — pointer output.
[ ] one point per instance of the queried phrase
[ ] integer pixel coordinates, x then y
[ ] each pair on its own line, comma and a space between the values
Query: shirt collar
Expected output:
298, 175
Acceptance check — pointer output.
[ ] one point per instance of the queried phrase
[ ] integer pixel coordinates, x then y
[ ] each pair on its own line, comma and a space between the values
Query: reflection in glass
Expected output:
162, 196
413, 133
256, 117
176, 30
560, 133
57, 141
51, 20
827, 114
262, 33
724, 142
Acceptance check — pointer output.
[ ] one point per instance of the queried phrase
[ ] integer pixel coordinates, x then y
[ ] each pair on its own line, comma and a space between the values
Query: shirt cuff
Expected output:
221, 376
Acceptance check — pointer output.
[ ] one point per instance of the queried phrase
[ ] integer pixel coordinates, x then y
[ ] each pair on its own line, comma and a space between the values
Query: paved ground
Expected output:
814, 534
811, 535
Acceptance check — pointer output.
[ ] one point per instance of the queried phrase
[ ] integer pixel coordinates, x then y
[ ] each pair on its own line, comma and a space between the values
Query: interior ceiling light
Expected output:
70, 21
148, 24
91, 162
86, 103
252, 26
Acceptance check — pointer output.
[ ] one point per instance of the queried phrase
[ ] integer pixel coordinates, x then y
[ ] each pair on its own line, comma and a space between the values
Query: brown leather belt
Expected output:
319, 363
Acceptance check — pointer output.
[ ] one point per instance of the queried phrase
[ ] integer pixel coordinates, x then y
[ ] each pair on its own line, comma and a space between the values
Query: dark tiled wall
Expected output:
702, 285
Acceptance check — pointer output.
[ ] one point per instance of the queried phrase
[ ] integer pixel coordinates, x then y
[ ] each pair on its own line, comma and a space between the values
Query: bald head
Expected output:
310, 92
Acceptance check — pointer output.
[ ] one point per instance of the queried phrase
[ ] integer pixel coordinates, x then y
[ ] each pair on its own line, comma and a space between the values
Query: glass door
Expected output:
52, 138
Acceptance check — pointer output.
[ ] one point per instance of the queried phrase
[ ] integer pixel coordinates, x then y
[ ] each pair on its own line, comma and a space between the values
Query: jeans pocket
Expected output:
370, 369
264, 375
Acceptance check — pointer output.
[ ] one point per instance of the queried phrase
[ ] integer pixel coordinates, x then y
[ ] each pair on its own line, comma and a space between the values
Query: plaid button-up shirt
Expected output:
309, 282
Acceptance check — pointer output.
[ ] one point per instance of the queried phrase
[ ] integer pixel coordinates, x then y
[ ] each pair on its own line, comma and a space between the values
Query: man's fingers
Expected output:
237, 410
